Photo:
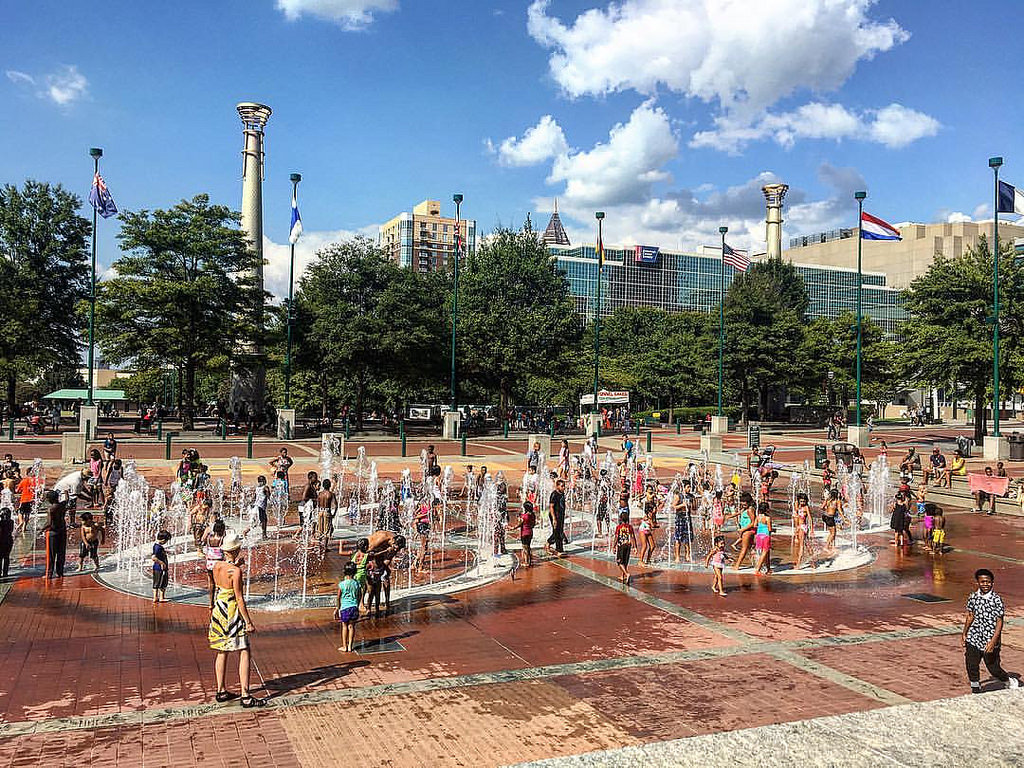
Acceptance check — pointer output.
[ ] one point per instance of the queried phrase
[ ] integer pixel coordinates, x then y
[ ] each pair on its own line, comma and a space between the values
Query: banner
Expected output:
979, 481
646, 254
605, 397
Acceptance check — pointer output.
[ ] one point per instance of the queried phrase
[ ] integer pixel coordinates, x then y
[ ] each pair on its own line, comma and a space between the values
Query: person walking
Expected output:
556, 514
983, 631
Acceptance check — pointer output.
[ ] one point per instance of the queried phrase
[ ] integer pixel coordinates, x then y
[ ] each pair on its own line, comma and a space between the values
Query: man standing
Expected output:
983, 630
556, 514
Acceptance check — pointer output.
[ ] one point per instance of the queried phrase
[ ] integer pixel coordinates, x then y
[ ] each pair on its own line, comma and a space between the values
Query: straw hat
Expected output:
232, 542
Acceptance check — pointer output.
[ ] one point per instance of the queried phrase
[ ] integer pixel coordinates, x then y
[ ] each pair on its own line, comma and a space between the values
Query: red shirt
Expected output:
527, 520
624, 534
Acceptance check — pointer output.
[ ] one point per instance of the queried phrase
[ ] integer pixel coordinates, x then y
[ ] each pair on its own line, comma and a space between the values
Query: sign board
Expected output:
606, 397
753, 437
647, 254
419, 413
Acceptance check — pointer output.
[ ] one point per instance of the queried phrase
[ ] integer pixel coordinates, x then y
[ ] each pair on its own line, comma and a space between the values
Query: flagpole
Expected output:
599, 215
295, 179
96, 154
721, 320
994, 163
860, 282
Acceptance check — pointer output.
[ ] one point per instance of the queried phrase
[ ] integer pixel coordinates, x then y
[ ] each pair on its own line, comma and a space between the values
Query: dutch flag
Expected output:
296, 230
873, 228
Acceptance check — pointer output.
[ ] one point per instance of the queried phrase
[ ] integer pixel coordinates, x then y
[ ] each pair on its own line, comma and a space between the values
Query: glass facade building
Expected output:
690, 282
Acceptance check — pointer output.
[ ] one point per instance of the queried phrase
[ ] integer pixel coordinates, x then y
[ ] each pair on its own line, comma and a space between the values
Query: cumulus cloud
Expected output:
541, 142
63, 87
894, 126
350, 14
957, 217
276, 255
624, 168
744, 54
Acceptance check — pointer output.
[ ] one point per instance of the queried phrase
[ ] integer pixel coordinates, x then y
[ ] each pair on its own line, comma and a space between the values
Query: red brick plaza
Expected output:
562, 660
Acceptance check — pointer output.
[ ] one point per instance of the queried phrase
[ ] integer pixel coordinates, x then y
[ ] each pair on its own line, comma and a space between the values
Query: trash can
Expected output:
1016, 447
820, 456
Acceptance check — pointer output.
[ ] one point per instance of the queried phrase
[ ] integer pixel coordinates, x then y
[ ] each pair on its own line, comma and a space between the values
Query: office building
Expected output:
424, 240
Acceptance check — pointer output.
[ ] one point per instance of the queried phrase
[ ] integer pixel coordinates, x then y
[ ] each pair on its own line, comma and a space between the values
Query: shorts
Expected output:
25, 509
983, 496
160, 579
602, 513
682, 532
622, 554
348, 615
829, 521
763, 541
89, 549
423, 529
939, 535
526, 541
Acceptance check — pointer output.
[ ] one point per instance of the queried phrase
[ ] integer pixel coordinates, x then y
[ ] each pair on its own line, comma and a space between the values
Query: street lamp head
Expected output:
995, 162
96, 152
599, 215
457, 198
860, 195
295, 178
723, 230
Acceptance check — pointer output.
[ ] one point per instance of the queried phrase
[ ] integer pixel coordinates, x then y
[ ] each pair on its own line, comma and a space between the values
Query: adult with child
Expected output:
231, 624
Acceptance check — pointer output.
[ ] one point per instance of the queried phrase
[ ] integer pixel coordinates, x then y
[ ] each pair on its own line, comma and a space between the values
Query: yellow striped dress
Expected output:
227, 627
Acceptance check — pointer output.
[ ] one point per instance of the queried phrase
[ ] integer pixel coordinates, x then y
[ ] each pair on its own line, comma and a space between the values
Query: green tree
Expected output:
183, 294
44, 267
765, 310
363, 324
515, 315
948, 338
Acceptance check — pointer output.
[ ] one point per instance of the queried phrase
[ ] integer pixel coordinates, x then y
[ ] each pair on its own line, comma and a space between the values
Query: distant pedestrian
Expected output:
983, 632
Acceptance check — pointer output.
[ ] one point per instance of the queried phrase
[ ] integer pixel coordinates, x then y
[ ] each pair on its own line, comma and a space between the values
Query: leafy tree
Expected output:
948, 338
515, 315
183, 294
44, 266
363, 324
765, 310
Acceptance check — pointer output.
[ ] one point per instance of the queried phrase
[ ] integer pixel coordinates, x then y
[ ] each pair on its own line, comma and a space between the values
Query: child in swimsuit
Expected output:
716, 560
763, 538
717, 514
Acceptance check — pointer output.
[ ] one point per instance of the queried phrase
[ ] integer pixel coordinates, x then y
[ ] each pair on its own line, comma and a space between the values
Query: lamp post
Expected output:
599, 215
721, 320
96, 154
859, 196
994, 163
455, 290
295, 179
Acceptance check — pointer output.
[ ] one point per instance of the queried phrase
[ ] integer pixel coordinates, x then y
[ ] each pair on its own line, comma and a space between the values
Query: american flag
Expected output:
736, 259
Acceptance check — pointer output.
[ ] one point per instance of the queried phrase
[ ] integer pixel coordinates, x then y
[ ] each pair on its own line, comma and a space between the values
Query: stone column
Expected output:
774, 194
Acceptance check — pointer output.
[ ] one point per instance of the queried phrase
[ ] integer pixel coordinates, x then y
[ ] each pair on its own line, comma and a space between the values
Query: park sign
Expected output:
646, 254
606, 397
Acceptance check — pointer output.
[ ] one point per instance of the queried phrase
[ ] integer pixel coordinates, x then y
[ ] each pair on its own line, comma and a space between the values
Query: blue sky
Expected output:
667, 114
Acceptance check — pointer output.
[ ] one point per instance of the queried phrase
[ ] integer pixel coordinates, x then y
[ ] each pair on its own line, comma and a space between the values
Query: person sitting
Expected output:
983, 497
907, 464
957, 467
938, 466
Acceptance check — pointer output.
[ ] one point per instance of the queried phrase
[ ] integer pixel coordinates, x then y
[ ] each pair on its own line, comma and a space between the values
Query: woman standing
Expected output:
230, 623
564, 459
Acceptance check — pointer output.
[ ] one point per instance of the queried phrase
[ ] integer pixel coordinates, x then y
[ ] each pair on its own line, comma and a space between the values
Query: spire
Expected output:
555, 233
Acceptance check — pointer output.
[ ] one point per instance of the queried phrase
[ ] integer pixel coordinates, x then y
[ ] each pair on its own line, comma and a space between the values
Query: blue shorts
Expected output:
349, 615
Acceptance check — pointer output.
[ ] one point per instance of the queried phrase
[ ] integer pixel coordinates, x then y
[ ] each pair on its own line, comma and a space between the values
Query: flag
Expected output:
600, 253
873, 228
1011, 199
736, 259
100, 198
296, 230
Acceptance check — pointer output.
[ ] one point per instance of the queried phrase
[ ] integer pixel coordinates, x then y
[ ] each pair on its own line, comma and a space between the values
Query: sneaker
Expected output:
1013, 682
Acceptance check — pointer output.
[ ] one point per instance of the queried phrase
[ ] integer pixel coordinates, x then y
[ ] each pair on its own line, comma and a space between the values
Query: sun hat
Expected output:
232, 542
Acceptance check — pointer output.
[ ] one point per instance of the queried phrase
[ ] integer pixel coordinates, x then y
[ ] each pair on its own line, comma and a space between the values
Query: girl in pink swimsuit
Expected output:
716, 560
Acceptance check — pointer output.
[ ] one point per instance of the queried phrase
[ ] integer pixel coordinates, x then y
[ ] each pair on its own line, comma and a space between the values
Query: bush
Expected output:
689, 414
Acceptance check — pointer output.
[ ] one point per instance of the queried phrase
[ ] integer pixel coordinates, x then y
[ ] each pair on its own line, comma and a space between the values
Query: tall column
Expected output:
774, 195
249, 390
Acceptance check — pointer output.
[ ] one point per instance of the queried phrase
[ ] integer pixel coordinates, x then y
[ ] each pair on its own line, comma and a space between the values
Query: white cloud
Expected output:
541, 142
63, 87
744, 54
623, 169
894, 126
277, 255
956, 217
350, 14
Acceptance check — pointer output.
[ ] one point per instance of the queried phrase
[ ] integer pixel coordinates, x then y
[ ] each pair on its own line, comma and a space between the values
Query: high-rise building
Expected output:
555, 232
424, 240
900, 260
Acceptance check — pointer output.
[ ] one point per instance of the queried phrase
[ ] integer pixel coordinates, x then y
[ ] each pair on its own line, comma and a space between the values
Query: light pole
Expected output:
721, 320
295, 179
455, 290
597, 308
96, 154
994, 163
860, 280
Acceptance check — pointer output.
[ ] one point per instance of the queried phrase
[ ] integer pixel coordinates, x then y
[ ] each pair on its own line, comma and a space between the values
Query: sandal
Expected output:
248, 702
223, 696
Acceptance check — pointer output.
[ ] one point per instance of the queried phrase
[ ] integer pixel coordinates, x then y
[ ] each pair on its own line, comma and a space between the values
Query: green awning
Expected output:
82, 394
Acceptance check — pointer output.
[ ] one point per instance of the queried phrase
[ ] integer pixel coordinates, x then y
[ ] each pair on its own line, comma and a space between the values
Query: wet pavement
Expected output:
561, 661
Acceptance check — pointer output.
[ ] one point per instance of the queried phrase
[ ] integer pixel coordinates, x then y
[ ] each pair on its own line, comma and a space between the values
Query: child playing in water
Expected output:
763, 538
717, 514
347, 606
801, 527
625, 540
716, 560
160, 567
92, 536
938, 545
527, 521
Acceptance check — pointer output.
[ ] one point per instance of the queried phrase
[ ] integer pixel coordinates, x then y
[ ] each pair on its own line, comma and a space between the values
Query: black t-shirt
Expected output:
557, 502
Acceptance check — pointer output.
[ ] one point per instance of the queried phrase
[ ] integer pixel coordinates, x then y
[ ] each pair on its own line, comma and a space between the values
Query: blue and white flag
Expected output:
1011, 199
873, 228
296, 230
101, 199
